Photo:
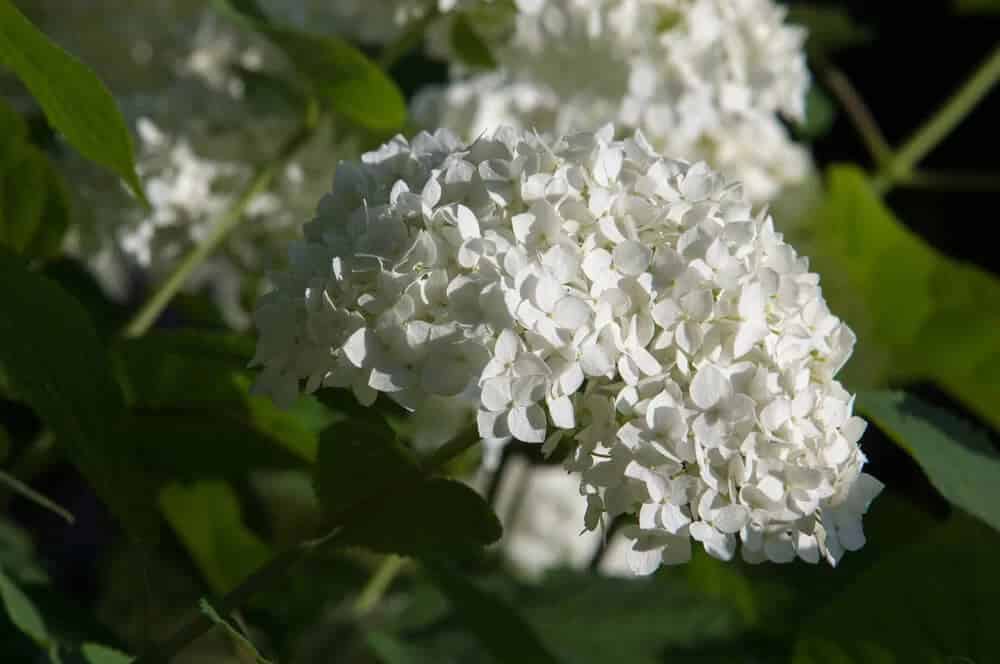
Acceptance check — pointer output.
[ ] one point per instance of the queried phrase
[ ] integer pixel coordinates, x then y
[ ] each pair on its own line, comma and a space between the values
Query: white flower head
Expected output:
703, 79
592, 291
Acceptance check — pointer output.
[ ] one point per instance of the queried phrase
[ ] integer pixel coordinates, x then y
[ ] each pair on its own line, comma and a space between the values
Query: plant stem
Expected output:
224, 224
378, 584
859, 114
951, 181
927, 137
279, 566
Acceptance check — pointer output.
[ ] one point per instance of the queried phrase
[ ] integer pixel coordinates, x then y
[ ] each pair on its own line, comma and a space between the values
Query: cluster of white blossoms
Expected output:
707, 79
588, 291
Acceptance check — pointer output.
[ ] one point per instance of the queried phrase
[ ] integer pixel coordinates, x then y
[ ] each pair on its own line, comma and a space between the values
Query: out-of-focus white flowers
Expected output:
588, 291
200, 136
703, 79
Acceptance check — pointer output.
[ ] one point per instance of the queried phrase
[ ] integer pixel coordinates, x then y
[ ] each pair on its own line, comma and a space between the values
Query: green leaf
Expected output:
820, 114
51, 354
362, 466
242, 643
435, 517
208, 520
929, 602
501, 630
959, 460
74, 100
829, 29
97, 654
353, 455
469, 45
918, 314
390, 650
192, 377
341, 75
22, 612
34, 203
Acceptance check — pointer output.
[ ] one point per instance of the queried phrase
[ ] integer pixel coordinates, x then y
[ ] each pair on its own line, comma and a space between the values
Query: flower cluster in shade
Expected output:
588, 292
706, 79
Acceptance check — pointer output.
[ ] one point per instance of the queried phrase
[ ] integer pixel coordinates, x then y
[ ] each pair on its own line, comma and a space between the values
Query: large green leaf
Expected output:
366, 480
51, 354
469, 45
932, 602
498, 626
94, 653
207, 518
74, 100
341, 75
918, 313
959, 460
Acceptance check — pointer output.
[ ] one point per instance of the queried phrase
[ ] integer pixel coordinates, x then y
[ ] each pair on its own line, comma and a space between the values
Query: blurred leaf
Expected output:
502, 631
207, 518
930, 602
390, 650
51, 354
4, 443
917, 313
469, 45
820, 114
98, 654
201, 376
977, 6
34, 204
959, 460
81, 284
74, 100
17, 555
829, 29
341, 75
22, 611
241, 642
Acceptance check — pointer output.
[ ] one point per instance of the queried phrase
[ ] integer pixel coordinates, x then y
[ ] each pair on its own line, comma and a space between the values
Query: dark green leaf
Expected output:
469, 45
22, 611
391, 650
820, 114
959, 460
98, 654
74, 100
977, 6
501, 630
207, 518
15, 485
932, 601
354, 455
51, 354
434, 517
341, 75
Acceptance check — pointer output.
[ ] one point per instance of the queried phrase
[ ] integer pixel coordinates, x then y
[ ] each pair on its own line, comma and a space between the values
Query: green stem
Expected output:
940, 124
859, 114
17, 486
951, 181
221, 228
279, 566
378, 584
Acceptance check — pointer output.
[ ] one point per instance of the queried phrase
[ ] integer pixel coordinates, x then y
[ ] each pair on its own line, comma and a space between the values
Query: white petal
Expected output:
632, 258
731, 518
561, 412
527, 423
468, 224
709, 387
358, 347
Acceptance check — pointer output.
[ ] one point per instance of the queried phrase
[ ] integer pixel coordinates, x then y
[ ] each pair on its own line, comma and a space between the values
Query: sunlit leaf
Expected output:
207, 518
97, 654
918, 313
959, 460
74, 100
239, 639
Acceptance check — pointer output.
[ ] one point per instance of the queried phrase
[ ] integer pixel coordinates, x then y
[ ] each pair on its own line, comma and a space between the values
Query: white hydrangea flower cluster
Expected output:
588, 290
703, 79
